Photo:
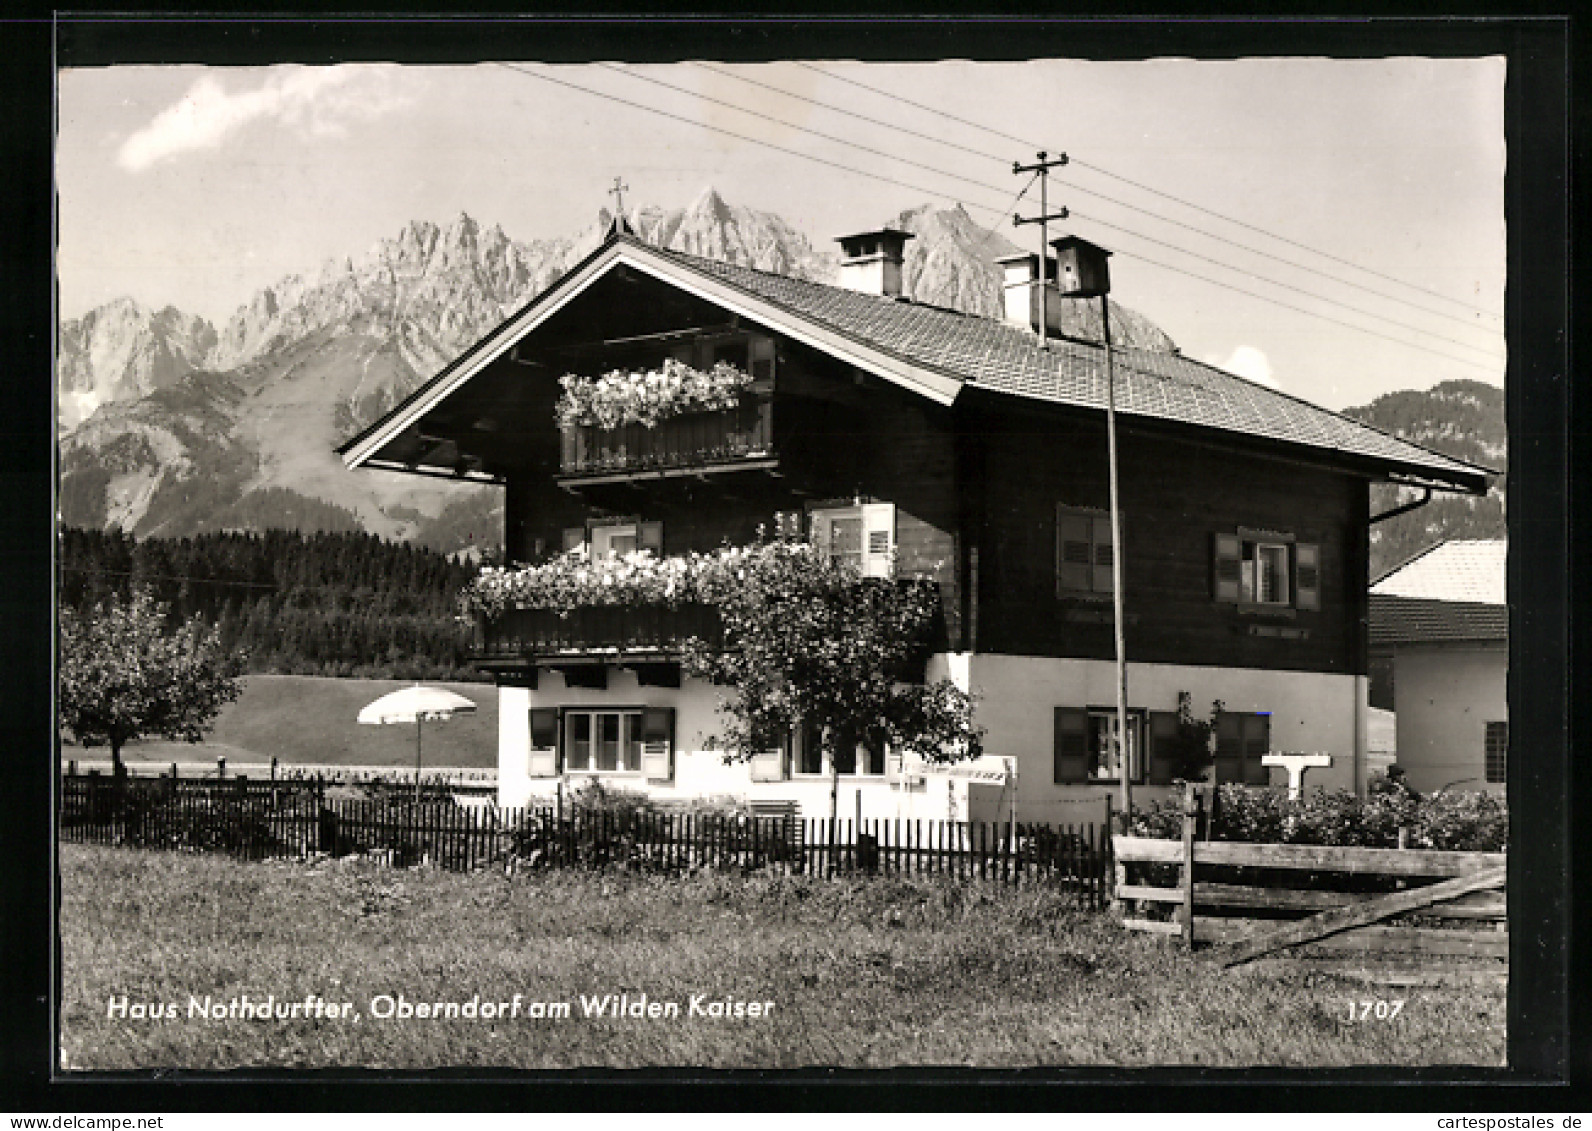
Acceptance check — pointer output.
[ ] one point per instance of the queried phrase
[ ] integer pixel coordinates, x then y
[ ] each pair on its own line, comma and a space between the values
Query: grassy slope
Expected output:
868, 974
311, 720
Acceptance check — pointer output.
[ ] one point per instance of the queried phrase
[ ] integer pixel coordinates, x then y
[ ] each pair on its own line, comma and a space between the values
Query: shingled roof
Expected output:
1452, 592
1007, 359
942, 352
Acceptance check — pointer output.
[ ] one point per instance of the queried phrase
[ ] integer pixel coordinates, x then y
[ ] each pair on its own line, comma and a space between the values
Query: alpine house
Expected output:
931, 444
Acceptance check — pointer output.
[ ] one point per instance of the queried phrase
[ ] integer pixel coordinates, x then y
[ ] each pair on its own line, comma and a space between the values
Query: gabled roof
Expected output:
1452, 592
1457, 570
939, 353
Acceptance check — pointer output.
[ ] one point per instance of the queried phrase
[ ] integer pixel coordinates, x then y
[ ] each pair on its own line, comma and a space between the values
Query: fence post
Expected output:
1191, 809
1118, 870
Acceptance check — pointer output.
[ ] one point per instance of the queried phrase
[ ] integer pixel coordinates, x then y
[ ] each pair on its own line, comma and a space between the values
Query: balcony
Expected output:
620, 631
740, 438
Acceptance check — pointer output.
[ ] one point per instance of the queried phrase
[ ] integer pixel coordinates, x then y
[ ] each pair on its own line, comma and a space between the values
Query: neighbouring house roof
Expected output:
1452, 592
940, 352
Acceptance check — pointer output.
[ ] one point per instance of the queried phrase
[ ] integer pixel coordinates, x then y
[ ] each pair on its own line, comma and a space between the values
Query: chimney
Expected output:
1077, 270
871, 261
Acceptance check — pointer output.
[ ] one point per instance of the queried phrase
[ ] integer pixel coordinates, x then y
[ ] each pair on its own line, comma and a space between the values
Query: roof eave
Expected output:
630, 251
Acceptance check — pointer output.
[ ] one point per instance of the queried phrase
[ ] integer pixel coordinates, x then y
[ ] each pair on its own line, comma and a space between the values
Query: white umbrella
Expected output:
415, 705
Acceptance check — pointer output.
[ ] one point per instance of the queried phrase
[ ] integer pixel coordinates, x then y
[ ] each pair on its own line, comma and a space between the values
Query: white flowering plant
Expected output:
575, 580
649, 396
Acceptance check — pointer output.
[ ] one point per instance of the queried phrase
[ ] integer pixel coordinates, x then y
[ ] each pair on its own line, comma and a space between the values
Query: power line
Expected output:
982, 185
697, 123
1286, 286
1302, 310
897, 128
1146, 188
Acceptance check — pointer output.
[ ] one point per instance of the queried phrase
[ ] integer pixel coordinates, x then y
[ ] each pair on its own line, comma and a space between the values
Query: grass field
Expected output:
861, 974
310, 720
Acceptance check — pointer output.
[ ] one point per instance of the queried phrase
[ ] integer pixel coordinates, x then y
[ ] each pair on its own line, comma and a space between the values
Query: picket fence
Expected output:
264, 819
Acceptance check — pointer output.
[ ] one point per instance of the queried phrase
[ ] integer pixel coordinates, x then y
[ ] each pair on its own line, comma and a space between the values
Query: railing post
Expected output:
1191, 809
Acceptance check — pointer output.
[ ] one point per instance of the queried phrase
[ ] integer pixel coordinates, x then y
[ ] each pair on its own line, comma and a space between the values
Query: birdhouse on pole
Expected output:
1081, 270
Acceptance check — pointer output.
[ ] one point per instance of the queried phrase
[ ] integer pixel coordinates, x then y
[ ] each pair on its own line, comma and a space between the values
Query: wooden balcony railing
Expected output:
700, 439
621, 630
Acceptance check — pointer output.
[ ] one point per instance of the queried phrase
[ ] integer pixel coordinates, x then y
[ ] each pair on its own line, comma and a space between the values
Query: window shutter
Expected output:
1257, 744
544, 743
1229, 747
772, 765
1226, 566
1072, 745
821, 537
1074, 553
878, 539
657, 743
649, 536
1163, 733
574, 536
1102, 553
1307, 575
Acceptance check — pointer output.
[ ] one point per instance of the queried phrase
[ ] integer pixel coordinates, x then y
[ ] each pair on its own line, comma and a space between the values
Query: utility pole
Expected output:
1123, 752
1042, 167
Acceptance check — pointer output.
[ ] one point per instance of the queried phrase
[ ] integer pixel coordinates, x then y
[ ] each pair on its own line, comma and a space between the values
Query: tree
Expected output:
1192, 751
811, 647
124, 674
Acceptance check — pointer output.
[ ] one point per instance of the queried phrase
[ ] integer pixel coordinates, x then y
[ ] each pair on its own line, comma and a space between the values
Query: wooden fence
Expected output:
1245, 901
259, 820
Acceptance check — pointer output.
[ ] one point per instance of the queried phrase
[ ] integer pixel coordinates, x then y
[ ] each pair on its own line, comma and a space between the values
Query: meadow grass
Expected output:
312, 720
862, 973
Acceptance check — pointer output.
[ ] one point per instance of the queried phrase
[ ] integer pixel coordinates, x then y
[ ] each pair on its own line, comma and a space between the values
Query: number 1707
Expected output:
1380, 1009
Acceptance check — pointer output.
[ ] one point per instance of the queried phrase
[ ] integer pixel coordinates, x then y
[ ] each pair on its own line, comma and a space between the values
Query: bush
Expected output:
1463, 822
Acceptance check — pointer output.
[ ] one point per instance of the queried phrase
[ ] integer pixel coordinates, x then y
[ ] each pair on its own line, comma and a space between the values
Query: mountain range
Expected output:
171, 426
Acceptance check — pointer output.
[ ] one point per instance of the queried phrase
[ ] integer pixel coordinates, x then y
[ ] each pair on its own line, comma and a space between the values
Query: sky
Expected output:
1330, 227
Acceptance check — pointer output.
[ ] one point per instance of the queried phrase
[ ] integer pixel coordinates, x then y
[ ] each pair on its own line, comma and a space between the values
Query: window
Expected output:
602, 742
1266, 570
613, 541
1083, 552
862, 536
1242, 740
853, 759
1497, 749
1265, 574
608, 539
1085, 752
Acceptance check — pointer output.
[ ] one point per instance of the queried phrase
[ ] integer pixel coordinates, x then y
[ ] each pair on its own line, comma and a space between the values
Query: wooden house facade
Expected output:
935, 445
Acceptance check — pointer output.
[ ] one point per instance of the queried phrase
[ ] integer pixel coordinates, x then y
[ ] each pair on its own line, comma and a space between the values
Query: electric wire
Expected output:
852, 169
1117, 227
1146, 188
1073, 185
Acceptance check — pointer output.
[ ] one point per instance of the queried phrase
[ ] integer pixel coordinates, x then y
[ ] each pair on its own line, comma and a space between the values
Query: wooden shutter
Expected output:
1307, 575
762, 370
1257, 744
1101, 529
544, 743
657, 743
1229, 747
574, 536
1227, 567
772, 765
1072, 745
878, 539
649, 536
1163, 733
1074, 552
822, 538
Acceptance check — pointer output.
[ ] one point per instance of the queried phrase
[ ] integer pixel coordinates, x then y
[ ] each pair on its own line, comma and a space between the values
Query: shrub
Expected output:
1467, 822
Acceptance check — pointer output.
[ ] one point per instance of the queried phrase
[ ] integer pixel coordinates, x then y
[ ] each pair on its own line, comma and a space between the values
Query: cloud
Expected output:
316, 101
1247, 362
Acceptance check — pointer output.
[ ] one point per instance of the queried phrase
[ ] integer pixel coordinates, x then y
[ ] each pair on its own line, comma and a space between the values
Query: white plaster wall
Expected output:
699, 772
1444, 699
1017, 695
